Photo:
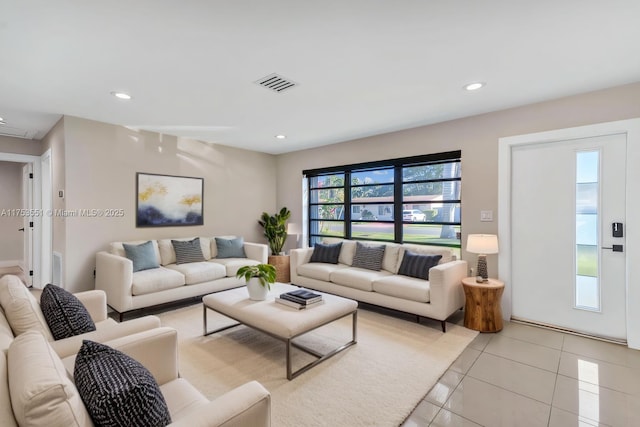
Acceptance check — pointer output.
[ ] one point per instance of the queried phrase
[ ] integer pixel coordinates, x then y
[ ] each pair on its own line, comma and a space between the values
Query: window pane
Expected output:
383, 193
587, 198
378, 176
327, 228
327, 195
431, 233
587, 284
426, 172
587, 167
431, 212
372, 212
587, 260
327, 212
372, 230
335, 180
587, 229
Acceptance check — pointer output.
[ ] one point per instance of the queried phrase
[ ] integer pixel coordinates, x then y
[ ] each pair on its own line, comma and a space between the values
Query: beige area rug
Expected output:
377, 382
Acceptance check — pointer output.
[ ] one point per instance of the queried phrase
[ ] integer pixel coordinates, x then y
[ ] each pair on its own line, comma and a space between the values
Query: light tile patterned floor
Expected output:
527, 376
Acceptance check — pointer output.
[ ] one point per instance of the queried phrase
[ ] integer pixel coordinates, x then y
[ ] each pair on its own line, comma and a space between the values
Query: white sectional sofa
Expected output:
37, 385
436, 298
128, 290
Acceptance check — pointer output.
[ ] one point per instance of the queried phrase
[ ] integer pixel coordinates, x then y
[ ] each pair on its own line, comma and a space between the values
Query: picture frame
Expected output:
169, 200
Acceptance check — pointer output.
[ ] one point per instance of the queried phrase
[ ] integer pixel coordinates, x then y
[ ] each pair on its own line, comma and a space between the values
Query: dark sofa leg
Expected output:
444, 325
121, 317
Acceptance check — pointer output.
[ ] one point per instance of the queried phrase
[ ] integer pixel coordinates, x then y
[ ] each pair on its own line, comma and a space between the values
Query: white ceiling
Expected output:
363, 67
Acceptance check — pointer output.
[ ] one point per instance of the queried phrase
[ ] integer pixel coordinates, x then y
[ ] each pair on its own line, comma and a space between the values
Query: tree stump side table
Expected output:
482, 310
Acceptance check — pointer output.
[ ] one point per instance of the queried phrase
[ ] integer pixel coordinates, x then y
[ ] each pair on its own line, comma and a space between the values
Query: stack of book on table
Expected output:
300, 299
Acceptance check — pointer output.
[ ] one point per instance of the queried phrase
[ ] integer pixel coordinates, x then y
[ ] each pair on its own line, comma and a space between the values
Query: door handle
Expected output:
615, 248
21, 229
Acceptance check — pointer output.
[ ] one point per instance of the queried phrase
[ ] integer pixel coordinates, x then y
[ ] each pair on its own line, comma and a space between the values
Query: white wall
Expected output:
12, 245
101, 161
476, 136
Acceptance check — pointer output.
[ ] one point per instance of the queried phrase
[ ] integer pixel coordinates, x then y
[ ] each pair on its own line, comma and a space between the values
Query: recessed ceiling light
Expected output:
474, 86
121, 95
281, 136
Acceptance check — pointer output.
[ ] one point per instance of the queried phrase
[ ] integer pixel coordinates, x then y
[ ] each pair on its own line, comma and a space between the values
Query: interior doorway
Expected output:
33, 216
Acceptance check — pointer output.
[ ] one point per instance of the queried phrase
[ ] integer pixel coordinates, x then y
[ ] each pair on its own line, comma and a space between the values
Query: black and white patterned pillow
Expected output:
414, 265
188, 251
369, 257
116, 389
64, 313
328, 253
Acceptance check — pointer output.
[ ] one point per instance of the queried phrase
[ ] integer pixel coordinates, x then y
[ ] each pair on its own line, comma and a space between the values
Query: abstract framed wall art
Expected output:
168, 201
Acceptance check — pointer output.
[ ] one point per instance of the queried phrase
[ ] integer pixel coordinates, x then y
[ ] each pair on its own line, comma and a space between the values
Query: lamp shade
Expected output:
293, 228
482, 244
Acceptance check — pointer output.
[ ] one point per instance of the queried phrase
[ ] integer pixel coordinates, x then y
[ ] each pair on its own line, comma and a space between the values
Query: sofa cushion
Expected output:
41, 392
143, 256
414, 265
21, 308
232, 265
168, 253
357, 278
187, 251
182, 398
198, 272
390, 259
327, 253
64, 313
154, 280
6, 414
6, 334
403, 287
116, 389
368, 256
319, 271
230, 248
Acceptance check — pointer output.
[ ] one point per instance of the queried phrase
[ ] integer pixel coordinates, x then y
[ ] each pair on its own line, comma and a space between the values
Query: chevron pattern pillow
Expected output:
116, 389
64, 313
369, 257
188, 251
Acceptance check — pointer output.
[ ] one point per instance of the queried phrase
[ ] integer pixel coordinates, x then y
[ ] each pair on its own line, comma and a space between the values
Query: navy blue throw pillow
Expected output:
64, 313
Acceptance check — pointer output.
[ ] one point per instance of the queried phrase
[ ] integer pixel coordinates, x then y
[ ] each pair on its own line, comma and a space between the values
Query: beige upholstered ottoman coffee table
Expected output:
280, 321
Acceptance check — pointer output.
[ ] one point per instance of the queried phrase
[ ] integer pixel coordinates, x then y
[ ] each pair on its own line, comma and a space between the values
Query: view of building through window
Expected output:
413, 200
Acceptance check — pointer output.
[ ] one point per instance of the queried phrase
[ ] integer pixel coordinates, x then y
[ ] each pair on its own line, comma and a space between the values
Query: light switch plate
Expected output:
486, 216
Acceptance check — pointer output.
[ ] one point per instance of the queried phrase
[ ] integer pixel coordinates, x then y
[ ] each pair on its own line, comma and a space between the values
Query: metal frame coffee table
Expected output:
282, 322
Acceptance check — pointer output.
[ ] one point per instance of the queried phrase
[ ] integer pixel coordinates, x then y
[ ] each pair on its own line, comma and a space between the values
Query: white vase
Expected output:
257, 292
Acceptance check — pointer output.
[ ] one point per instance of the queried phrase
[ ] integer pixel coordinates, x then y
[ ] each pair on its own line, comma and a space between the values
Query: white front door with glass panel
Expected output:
567, 234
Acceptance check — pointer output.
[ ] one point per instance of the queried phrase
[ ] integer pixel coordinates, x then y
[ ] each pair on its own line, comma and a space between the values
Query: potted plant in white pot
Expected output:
259, 279
275, 230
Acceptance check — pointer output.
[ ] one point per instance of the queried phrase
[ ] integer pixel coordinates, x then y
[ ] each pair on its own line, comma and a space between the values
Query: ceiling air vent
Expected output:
15, 132
276, 83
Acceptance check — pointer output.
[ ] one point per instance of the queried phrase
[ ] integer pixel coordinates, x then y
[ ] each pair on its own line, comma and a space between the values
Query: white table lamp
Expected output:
294, 229
482, 244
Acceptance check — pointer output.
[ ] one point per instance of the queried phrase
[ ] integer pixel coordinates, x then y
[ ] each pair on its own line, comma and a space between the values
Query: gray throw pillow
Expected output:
230, 248
188, 251
328, 253
64, 313
143, 256
369, 257
116, 389
415, 265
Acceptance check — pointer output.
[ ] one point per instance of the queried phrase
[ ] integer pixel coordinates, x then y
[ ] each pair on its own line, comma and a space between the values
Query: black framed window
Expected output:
411, 199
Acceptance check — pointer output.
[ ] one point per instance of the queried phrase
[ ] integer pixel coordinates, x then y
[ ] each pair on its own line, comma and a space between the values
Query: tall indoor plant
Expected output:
275, 230
259, 279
